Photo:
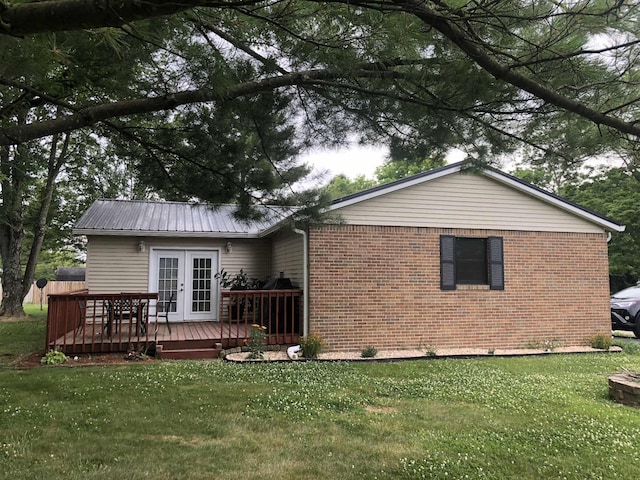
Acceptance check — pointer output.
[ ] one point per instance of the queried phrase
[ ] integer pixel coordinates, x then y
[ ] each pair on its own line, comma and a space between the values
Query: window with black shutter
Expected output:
447, 262
471, 261
496, 263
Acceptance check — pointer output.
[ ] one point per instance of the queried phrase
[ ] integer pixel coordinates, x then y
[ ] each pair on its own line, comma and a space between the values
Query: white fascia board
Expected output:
555, 201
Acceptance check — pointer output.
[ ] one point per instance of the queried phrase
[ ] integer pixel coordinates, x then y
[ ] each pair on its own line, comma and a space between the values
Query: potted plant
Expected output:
239, 281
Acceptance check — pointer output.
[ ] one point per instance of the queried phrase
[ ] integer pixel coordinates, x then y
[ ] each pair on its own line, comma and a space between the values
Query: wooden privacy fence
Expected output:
52, 287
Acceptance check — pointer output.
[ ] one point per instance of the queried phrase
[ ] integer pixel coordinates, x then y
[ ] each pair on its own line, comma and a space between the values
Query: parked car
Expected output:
625, 310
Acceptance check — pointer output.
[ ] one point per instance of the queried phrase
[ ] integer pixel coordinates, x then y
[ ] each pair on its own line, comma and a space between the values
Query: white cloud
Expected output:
350, 161
355, 160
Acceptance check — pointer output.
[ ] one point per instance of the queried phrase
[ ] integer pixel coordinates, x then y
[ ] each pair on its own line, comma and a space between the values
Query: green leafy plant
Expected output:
601, 341
53, 357
628, 346
312, 345
491, 351
239, 281
369, 352
257, 335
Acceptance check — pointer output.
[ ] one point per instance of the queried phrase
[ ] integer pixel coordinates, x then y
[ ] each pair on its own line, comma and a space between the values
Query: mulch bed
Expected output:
33, 360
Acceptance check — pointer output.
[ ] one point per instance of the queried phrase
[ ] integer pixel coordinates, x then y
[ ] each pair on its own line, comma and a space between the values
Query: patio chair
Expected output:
82, 307
166, 309
125, 309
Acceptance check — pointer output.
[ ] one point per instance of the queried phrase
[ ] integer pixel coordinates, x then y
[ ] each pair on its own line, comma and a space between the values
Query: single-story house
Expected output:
453, 257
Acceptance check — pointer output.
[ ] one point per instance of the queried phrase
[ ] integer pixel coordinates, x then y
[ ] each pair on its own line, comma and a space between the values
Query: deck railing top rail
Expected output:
99, 296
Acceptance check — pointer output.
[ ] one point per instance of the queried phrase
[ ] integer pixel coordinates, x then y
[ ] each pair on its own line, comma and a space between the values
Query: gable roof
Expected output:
171, 219
489, 172
147, 218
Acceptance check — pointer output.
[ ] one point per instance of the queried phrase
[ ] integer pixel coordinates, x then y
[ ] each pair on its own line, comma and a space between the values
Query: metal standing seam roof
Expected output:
134, 217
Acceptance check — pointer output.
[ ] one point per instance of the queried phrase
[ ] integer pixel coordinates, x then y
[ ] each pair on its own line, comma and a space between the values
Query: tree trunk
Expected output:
54, 165
12, 232
11, 240
16, 281
12, 296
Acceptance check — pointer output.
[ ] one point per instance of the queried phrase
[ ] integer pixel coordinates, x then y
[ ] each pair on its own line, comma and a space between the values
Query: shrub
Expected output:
601, 341
628, 346
369, 352
431, 351
256, 341
548, 345
312, 345
53, 357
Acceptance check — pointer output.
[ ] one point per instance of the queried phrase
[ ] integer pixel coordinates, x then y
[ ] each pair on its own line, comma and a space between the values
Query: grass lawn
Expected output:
494, 418
19, 337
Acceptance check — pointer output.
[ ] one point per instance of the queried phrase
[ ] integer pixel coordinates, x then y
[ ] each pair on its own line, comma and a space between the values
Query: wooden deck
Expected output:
82, 323
200, 336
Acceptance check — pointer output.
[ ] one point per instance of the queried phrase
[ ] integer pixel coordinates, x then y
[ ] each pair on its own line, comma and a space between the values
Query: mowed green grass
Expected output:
494, 418
20, 337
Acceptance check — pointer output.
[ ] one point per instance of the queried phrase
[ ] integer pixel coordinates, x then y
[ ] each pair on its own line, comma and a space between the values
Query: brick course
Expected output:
380, 286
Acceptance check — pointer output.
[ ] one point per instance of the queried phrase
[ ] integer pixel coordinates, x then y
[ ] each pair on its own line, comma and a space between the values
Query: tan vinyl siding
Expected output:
287, 257
253, 256
115, 265
464, 201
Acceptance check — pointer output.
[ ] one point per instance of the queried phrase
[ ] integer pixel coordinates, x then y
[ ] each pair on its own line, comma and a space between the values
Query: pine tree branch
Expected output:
88, 116
484, 59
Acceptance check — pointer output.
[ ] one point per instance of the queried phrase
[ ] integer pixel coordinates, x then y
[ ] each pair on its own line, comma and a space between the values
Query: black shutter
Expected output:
495, 259
447, 262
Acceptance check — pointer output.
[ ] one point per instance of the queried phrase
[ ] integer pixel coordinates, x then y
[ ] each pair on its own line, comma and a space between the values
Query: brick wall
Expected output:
380, 286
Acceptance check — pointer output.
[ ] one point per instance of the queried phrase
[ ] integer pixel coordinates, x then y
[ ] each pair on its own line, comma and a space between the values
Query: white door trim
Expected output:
184, 284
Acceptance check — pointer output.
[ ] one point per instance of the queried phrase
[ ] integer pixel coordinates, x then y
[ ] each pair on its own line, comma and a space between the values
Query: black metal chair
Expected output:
125, 309
82, 307
166, 309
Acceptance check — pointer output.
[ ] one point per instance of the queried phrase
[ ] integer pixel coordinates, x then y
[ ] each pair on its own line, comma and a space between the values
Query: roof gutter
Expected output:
164, 233
305, 274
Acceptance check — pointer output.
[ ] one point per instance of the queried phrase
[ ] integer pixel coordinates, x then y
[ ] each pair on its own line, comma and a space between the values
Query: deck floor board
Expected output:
94, 339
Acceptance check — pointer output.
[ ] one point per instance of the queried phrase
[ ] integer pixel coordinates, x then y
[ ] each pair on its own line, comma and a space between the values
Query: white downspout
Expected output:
305, 287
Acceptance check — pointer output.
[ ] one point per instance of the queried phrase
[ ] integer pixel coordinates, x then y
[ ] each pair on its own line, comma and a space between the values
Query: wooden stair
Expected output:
188, 349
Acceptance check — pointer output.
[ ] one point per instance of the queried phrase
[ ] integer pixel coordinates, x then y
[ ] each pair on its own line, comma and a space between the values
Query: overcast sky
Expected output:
352, 161
355, 160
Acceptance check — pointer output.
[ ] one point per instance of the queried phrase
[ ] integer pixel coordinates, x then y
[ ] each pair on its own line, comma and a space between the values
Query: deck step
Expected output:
171, 344
188, 353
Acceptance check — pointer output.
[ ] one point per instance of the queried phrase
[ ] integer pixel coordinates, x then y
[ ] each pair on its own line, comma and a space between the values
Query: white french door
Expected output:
189, 275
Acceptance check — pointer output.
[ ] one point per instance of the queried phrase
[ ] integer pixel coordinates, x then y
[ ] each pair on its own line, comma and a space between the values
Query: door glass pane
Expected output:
167, 281
201, 285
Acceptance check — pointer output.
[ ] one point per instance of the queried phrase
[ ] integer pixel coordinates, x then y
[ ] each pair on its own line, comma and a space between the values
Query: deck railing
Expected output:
79, 322
279, 311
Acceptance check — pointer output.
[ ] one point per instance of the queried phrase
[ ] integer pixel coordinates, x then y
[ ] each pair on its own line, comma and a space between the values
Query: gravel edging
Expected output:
402, 355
